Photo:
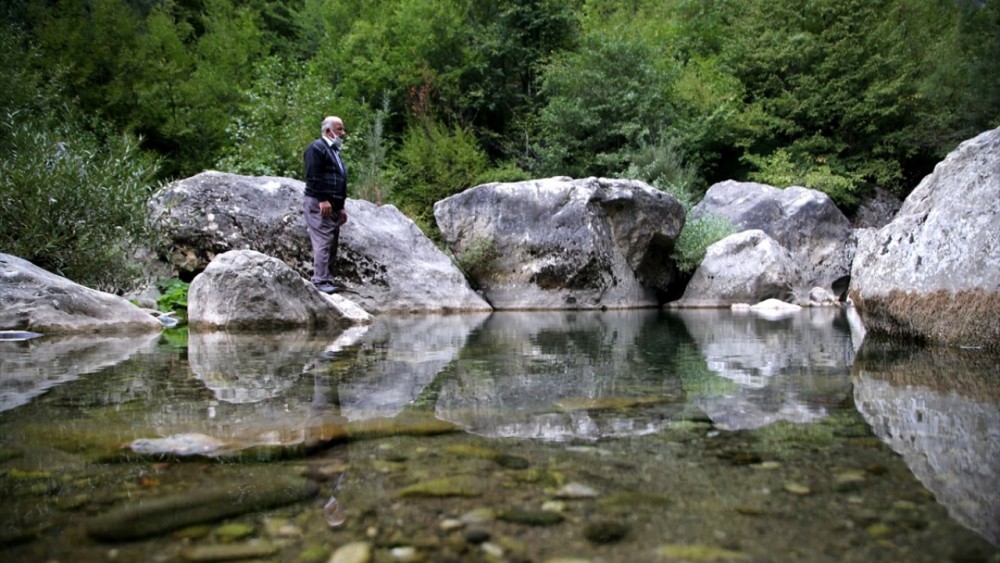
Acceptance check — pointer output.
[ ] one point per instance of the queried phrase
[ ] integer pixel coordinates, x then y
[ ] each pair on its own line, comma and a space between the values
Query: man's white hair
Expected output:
328, 123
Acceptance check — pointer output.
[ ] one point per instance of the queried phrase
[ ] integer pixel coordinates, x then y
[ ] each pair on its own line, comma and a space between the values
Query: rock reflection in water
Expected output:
561, 375
248, 368
791, 367
30, 368
940, 410
294, 387
402, 355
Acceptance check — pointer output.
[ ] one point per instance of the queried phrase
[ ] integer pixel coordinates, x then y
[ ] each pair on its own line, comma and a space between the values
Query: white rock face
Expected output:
804, 221
33, 299
933, 273
247, 289
745, 267
559, 243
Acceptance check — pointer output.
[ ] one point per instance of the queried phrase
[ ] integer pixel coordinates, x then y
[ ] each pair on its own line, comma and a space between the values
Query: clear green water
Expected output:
615, 436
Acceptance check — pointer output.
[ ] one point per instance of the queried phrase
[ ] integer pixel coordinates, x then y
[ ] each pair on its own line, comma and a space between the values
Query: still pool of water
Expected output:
572, 436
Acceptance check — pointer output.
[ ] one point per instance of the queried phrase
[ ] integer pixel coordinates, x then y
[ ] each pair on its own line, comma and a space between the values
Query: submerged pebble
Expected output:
531, 517
249, 550
797, 489
354, 552
576, 491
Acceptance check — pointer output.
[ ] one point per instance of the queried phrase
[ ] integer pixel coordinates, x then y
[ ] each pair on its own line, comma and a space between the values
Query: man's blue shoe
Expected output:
326, 288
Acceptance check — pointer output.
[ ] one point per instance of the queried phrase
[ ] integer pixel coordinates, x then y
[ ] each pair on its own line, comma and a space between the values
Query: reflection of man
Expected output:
323, 206
325, 425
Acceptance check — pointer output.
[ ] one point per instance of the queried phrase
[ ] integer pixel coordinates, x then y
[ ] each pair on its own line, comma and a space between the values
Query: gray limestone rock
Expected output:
559, 243
746, 267
933, 273
32, 299
247, 289
806, 222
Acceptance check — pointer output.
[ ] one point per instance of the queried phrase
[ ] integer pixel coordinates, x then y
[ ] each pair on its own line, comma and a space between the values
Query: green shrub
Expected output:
662, 165
74, 202
435, 162
372, 181
478, 260
506, 172
173, 298
782, 169
695, 238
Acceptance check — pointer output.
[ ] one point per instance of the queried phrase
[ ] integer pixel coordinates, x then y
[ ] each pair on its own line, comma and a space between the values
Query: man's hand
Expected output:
325, 209
343, 216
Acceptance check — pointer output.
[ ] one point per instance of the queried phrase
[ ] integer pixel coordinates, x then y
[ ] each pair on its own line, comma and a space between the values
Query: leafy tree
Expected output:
962, 83
435, 162
512, 40
604, 100
828, 82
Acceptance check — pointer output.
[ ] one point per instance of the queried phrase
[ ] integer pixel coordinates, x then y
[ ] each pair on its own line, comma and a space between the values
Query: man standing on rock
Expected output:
323, 206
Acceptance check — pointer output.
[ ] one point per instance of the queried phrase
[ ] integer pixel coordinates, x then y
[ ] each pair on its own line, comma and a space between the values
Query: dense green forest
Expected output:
104, 99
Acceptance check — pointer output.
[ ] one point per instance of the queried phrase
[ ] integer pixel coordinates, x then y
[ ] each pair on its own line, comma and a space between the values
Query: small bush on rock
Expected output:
698, 234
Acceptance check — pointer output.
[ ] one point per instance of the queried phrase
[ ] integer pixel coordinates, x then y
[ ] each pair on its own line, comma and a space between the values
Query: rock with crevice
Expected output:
804, 221
560, 243
746, 267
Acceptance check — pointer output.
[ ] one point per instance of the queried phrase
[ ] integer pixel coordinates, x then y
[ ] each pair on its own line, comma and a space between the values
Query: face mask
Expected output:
338, 142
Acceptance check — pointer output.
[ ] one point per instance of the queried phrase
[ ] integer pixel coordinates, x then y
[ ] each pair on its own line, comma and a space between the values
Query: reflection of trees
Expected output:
939, 409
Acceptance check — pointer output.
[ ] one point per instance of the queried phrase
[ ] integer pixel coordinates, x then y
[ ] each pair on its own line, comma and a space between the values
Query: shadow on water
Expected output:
644, 435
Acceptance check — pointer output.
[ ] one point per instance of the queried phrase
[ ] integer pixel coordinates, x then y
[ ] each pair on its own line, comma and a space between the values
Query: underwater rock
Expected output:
191, 443
605, 531
459, 486
531, 517
576, 490
250, 550
694, 552
151, 517
354, 552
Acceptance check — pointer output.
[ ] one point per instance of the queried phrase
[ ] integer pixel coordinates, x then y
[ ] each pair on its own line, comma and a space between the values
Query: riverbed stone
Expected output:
605, 531
243, 551
457, 486
699, 553
35, 300
575, 491
931, 273
560, 243
353, 552
531, 517
151, 517
384, 260
231, 532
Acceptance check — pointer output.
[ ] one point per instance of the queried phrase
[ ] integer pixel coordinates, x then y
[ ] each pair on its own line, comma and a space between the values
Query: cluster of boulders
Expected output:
560, 243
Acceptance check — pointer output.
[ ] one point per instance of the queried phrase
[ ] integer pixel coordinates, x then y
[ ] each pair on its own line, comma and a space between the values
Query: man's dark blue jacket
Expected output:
324, 179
